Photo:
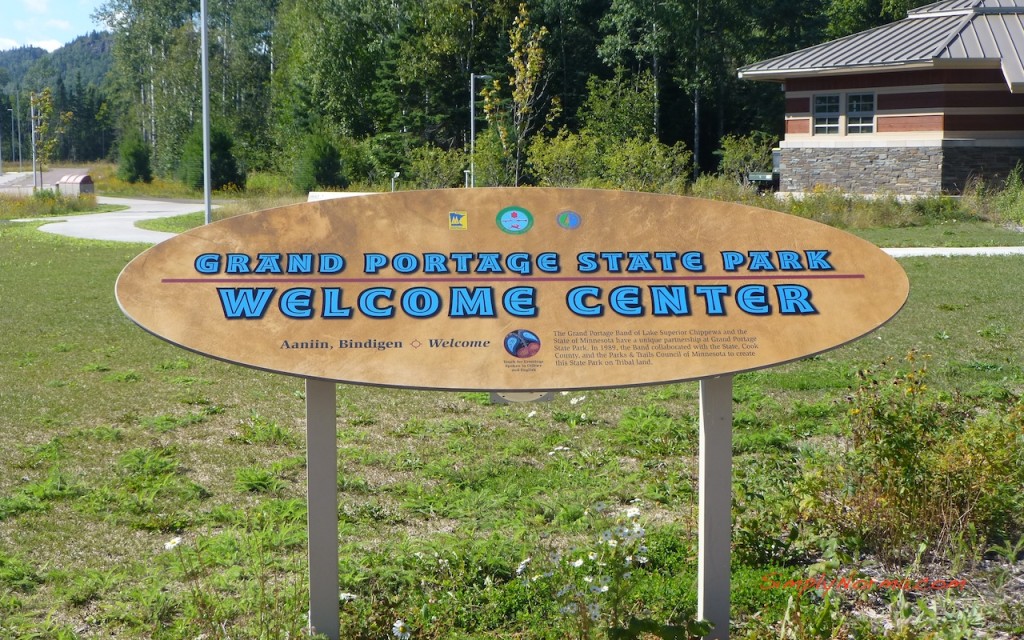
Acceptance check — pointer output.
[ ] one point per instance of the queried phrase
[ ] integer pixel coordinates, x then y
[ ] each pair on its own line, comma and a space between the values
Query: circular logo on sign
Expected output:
569, 220
522, 343
515, 220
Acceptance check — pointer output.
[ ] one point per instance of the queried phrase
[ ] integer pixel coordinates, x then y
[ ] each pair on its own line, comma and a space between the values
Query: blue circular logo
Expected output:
522, 343
569, 220
515, 220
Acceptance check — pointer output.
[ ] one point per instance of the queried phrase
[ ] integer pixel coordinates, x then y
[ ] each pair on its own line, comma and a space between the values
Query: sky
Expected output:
48, 24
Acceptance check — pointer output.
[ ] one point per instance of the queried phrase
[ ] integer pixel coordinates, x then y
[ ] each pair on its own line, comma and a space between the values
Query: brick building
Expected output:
916, 107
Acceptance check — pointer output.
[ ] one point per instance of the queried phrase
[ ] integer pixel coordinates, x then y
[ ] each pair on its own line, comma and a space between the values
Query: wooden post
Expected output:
322, 504
715, 504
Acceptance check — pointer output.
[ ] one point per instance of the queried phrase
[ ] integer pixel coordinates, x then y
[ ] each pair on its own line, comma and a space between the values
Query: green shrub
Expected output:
718, 187
134, 165
920, 466
1009, 203
741, 155
433, 168
268, 184
566, 160
224, 171
318, 165
641, 164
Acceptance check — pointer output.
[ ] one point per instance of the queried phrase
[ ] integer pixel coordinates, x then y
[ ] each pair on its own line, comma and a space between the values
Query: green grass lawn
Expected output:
148, 492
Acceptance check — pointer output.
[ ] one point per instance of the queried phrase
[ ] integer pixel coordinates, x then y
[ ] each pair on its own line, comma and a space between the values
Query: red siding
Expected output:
995, 122
798, 105
895, 124
801, 125
896, 79
941, 100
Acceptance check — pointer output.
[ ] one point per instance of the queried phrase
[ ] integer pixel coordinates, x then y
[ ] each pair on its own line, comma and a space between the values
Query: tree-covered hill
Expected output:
15, 64
86, 59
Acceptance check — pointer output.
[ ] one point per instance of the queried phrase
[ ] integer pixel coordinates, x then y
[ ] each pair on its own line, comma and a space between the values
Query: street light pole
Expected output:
12, 137
17, 106
472, 123
32, 122
205, 57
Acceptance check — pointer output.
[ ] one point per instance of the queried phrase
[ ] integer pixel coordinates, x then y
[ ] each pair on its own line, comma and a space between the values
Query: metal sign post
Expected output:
714, 535
322, 505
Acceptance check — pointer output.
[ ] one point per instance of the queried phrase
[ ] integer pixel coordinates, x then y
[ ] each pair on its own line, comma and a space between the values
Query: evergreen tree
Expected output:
319, 165
134, 159
224, 169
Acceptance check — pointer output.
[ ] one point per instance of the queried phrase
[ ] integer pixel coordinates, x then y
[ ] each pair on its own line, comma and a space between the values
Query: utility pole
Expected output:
32, 122
17, 108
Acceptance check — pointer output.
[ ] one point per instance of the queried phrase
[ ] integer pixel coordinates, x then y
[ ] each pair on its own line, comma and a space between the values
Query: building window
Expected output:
860, 113
826, 114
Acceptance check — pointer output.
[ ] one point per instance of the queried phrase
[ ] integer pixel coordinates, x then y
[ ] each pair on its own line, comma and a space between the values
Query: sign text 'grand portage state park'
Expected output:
512, 289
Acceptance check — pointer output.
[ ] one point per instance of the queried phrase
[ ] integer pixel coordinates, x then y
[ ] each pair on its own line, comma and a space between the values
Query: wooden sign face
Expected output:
512, 289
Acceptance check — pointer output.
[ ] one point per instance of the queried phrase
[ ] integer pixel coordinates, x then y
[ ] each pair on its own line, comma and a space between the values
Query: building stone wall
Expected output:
905, 171
865, 170
964, 165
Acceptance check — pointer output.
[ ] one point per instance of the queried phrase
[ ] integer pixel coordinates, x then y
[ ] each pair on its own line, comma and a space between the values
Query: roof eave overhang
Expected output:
781, 75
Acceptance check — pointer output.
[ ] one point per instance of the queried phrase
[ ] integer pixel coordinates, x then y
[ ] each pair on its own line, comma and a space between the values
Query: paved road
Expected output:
116, 225
120, 225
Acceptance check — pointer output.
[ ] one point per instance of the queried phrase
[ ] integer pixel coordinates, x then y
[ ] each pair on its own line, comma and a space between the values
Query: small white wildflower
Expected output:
592, 555
583, 416
531, 414
599, 588
522, 566
400, 630
173, 542
588, 579
576, 401
632, 513
641, 559
346, 597
565, 393
578, 562
613, 543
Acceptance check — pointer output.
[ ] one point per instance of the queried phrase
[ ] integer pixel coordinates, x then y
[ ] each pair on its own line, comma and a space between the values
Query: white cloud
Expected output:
49, 45
7, 43
36, 6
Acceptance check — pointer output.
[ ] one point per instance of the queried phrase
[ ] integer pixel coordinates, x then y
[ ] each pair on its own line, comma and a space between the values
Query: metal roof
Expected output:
973, 31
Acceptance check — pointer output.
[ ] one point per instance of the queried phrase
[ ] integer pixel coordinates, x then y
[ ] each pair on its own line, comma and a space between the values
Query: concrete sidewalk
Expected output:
118, 226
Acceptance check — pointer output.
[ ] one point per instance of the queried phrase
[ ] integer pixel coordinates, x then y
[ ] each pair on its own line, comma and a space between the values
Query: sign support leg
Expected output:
322, 504
715, 504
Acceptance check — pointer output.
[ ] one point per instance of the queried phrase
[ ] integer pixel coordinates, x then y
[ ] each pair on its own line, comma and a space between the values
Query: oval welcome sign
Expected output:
512, 289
